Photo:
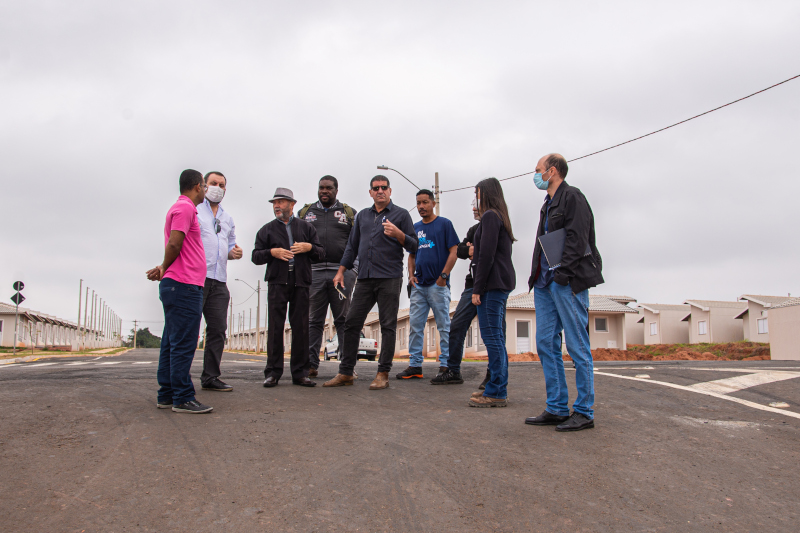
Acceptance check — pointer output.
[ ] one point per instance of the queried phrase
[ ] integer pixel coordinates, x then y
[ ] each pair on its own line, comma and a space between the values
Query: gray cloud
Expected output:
104, 104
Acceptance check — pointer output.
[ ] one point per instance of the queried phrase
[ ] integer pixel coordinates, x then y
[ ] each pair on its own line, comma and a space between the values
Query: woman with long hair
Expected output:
494, 279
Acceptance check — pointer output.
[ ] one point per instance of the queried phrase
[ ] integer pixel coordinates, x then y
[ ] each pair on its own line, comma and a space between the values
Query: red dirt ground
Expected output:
732, 351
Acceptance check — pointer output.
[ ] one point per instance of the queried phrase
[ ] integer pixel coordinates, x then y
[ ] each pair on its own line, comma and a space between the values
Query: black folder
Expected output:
553, 247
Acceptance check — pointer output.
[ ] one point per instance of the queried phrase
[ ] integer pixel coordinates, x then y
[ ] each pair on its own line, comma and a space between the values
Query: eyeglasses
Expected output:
380, 188
217, 225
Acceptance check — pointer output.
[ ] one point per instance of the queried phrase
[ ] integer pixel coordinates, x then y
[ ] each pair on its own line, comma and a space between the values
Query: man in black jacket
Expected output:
333, 221
561, 296
287, 245
380, 235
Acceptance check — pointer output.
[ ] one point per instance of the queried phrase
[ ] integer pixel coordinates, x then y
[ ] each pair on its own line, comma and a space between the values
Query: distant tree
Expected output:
144, 339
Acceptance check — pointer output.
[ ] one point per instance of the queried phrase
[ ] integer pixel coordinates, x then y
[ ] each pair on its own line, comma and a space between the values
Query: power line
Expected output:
648, 134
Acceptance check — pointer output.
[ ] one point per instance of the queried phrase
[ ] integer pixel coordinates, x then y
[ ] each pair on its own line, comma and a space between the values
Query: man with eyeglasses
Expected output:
219, 241
379, 236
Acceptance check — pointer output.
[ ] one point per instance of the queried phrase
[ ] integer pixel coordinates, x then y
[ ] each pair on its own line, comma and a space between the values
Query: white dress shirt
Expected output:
216, 245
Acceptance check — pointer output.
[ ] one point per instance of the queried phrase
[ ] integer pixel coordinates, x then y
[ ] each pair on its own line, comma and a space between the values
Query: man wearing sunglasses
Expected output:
219, 241
379, 236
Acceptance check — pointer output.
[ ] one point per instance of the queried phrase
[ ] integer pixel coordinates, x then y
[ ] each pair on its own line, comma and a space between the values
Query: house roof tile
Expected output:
766, 301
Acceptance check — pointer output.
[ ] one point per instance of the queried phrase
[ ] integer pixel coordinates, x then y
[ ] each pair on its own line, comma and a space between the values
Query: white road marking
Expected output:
707, 393
39, 364
110, 363
728, 385
142, 362
76, 363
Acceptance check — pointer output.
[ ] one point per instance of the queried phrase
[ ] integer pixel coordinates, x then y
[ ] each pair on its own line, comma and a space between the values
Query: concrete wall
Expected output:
670, 329
784, 343
614, 337
725, 328
634, 332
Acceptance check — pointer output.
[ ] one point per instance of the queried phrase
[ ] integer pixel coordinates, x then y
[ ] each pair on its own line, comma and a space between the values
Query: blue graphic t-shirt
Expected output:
435, 241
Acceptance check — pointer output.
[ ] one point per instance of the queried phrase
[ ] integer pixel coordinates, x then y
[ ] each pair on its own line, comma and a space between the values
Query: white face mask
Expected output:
215, 194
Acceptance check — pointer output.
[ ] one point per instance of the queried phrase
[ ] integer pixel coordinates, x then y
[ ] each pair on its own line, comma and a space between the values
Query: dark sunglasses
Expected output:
380, 188
217, 226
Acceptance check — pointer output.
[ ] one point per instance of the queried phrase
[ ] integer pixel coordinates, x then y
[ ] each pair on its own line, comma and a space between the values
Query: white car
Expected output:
367, 348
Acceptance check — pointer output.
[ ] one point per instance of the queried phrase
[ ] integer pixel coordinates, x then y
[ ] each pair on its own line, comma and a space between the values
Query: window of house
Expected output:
601, 324
432, 336
653, 329
762, 326
469, 337
1, 326
702, 328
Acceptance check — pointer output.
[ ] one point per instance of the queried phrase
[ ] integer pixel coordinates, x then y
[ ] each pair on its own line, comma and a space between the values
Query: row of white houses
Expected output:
614, 322
41, 331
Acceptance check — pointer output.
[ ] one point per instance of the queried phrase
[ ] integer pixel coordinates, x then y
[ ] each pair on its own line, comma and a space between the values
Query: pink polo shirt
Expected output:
190, 266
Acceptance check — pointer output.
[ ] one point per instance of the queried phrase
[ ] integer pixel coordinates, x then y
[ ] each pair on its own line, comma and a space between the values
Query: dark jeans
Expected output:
386, 293
459, 326
183, 308
215, 311
491, 312
280, 296
322, 295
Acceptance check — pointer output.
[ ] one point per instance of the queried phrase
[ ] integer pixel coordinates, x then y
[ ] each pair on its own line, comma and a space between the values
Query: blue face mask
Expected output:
539, 182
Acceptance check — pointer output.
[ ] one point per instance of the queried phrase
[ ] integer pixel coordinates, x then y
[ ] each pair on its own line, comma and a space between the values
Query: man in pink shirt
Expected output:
182, 275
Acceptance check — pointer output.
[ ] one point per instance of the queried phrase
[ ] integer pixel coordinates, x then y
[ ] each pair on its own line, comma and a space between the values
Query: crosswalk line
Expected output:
728, 385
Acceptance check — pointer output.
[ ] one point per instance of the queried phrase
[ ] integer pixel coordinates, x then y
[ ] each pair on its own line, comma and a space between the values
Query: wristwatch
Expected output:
444, 275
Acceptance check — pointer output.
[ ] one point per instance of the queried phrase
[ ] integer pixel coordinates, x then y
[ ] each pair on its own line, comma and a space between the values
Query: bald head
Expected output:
556, 161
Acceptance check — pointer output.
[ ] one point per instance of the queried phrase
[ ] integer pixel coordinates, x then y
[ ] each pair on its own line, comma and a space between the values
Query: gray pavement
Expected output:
83, 448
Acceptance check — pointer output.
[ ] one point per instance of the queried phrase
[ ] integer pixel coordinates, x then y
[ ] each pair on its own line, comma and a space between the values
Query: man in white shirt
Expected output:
219, 241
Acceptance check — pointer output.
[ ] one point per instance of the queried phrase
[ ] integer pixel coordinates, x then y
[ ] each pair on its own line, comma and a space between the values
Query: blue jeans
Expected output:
183, 307
558, 308
423, 299
491, 317
459, 326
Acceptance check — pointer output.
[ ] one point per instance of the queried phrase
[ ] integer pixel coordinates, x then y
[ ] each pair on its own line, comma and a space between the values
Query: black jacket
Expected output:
570, 210
492, 267
462, 252
333, 229
273, 235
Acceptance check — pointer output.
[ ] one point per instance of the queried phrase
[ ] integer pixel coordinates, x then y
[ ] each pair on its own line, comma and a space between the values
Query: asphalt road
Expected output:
83, 448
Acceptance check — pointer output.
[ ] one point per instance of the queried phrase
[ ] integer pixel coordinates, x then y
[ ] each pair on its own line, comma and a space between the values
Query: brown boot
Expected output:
339, 381
381, 381
313, 372
485, 401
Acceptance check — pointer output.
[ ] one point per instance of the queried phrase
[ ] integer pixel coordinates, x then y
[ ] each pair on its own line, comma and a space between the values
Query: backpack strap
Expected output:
303, 210
349, 212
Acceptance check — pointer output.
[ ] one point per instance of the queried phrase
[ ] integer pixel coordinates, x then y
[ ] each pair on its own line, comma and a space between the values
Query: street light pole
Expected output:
436, 193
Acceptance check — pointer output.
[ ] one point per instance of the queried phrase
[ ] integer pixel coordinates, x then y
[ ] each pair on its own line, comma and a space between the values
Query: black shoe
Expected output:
193, 407
448, 377
217, 385
576, 422
304, 382
270, 382
164, 405
546, 419
412, 372
485, 380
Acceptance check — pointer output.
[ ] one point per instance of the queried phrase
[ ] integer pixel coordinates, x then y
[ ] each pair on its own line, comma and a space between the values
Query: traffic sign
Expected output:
18, 286
18, 298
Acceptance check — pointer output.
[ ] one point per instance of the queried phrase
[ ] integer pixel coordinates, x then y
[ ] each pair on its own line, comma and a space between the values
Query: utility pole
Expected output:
85, 315
230, 324
91, 319
80, 293
258, 317
135, 331
436, 194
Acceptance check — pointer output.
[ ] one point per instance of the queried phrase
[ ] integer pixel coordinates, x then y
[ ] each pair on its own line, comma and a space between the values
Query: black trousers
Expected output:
215, 311
322, 295
386, 293
280, 296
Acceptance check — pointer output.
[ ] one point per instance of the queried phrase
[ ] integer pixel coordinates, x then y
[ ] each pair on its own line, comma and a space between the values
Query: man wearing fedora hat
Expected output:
287, 245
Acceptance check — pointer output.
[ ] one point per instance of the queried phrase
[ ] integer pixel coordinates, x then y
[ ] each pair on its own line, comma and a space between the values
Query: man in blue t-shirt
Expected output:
429, 277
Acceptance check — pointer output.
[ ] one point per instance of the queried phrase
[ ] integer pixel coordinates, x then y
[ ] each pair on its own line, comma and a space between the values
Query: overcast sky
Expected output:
103, 104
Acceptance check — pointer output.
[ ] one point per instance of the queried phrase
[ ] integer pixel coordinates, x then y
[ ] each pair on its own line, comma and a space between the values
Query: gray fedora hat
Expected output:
282, 193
